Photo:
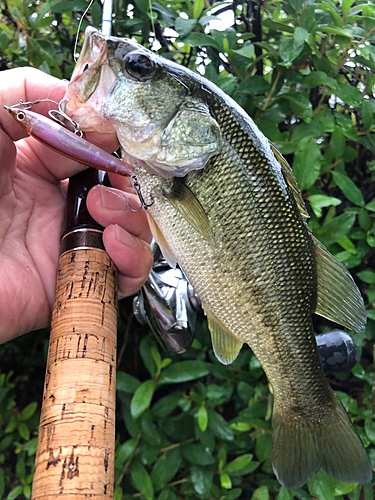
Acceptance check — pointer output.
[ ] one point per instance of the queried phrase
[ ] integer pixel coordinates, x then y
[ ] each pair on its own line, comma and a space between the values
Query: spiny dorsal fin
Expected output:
338, 296
291, 181
190, 209
226, 347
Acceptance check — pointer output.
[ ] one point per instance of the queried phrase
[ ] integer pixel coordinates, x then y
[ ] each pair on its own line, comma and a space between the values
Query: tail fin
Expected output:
300, 447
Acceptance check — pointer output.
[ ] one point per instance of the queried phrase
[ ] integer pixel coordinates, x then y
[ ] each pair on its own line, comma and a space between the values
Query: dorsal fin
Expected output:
338, 296
291, 181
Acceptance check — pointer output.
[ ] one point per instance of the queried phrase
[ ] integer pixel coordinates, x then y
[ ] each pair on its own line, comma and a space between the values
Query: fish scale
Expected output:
228, 210
239, 255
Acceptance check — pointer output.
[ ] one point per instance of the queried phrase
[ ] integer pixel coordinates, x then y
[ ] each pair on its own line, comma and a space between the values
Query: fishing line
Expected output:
78, 30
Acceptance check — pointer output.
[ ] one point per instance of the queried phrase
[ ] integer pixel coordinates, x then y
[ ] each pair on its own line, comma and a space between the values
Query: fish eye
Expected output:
85, 68
21, 116
139, 66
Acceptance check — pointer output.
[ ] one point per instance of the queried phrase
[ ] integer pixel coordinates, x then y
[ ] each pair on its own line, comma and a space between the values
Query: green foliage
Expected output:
189, 427
18, 440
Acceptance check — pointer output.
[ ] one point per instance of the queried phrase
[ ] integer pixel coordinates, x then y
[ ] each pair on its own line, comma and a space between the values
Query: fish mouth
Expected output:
91, 81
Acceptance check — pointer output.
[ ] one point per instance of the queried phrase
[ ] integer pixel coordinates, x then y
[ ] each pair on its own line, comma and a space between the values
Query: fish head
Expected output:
150, 102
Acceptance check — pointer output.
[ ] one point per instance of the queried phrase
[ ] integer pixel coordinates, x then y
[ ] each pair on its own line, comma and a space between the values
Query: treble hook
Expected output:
144, 205
58, 114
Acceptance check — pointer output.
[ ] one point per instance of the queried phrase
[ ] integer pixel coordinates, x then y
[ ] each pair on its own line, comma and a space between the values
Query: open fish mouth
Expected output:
91, 81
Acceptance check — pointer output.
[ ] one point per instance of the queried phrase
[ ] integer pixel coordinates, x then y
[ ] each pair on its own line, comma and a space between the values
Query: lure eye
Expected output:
85, 68
139, 66
21, 116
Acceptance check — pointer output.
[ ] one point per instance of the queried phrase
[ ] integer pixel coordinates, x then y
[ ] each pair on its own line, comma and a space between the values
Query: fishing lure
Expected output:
63, 141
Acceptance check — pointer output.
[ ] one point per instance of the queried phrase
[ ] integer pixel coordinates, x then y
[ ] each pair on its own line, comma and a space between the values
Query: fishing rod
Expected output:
76, 442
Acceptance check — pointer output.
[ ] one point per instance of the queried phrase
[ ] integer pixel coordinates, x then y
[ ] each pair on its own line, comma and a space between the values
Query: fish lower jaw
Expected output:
86, 117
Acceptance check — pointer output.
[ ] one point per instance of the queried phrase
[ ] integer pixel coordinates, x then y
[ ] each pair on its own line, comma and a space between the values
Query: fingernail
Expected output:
113, 200
125, 238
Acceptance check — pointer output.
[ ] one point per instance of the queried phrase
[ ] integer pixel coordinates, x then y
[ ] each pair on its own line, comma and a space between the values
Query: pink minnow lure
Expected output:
67, 143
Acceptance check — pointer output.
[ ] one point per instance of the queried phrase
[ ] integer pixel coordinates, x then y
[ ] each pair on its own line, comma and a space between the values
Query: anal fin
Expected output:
226, 347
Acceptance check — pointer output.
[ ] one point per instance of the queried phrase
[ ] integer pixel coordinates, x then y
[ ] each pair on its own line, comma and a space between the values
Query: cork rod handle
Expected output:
75, 453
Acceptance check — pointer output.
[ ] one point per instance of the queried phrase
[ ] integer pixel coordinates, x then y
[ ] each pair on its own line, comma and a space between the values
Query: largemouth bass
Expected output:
225, 206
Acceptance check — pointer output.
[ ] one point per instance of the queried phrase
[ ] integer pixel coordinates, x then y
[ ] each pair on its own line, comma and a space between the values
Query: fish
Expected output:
223, 204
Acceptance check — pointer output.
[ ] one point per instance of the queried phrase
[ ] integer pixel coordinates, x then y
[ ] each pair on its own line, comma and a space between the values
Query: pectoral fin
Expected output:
190, 209
160, 240
226, 347
338, 296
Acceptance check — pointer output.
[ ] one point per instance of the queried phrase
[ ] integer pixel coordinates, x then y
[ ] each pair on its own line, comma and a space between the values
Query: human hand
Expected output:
32, 203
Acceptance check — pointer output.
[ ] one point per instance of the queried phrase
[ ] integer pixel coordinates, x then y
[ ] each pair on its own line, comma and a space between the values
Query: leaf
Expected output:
337, 143
96, 14
198, 7
349, 189
261, 494
288, 51
24, 432
142, 398
28, 411
317, 78
320, 487
126, 383
227, 84
142, 5
69, 6
183, 372
238, 463
219, 426
146, 345
263, 447
335, 229
166, 405
247, 50
142, 481
300, 105
283, 494
367, 276
349, 94
367, 114
165, 468
225, 481
300, 36
202, 478
370, 206
335, 31
168, 15
202, 418
306, 165
340, 488
200, 40
14, 492
197, 454
124, 451
254, 85
184, 26
4, 40
319, 201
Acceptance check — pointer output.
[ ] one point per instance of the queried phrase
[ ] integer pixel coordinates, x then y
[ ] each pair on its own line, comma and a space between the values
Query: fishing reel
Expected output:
168, 304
